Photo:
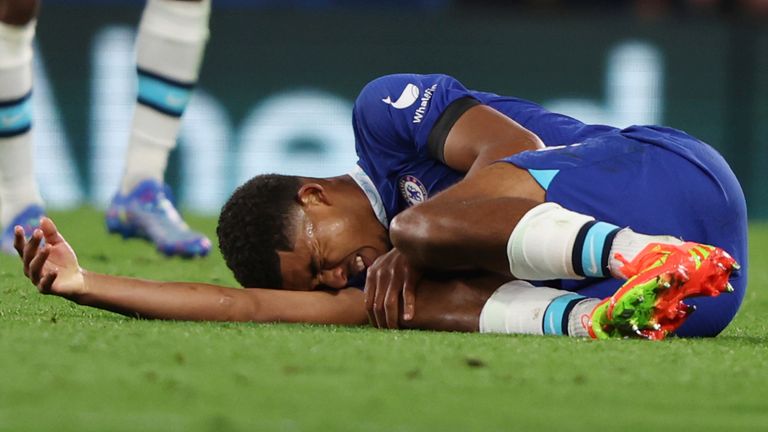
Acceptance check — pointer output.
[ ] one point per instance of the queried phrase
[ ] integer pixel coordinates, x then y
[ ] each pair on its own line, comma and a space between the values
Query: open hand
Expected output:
53, 268
390, 277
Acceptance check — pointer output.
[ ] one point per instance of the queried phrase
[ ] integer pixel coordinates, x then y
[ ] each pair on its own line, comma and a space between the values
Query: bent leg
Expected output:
656, 181
492, 304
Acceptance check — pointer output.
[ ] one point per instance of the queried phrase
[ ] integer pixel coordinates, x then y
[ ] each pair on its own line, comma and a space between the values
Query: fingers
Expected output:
45, 285
19, 240
370, 295
388, 277
37, 263
378, 300
409, 296
391, 309
50, 231
34, 258
375, 291
30, 249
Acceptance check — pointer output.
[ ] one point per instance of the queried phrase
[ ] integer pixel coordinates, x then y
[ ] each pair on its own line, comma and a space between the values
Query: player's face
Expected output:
331, 250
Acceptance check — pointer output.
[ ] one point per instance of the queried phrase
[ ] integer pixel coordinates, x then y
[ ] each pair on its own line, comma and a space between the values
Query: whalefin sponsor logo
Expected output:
413, 190
424, 104
409, 95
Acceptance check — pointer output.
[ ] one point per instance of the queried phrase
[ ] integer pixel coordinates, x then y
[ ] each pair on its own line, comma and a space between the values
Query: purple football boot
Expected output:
147, 212
29, 219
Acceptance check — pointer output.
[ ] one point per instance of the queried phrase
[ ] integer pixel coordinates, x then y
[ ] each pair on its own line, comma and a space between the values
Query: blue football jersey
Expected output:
401, 123
654, 179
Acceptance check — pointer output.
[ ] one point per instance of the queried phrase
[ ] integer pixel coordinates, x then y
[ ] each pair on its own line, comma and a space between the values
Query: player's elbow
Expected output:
412, 233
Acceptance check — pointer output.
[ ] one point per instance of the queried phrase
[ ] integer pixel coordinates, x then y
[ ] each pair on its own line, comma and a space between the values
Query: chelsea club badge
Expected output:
413, 190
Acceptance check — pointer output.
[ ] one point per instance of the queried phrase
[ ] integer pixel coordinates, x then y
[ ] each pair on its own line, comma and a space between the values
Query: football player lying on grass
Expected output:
535, 215
457, 179
455, 303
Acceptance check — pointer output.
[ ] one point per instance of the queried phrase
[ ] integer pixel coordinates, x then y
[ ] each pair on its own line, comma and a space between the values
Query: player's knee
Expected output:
18, 12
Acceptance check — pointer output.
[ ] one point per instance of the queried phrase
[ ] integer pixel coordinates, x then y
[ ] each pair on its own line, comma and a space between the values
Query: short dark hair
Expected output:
257, 221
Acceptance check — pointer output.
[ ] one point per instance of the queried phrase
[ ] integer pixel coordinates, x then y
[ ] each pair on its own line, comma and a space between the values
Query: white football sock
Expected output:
629, 243
551, 242
518, 307
579, 314
18, 187
169, 50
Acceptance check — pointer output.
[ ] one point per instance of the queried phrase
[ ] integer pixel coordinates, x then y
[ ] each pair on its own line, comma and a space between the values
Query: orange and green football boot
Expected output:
650, 303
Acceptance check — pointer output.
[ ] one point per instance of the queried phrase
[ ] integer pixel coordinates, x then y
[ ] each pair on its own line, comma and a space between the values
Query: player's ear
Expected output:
313, 193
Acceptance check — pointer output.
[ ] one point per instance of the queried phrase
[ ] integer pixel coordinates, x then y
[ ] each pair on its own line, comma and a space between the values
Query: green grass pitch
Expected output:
69, 368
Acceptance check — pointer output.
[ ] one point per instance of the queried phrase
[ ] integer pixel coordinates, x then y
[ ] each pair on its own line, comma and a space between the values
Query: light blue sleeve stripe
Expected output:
592, 251
543, 177
163, 95
16, 117
553, 316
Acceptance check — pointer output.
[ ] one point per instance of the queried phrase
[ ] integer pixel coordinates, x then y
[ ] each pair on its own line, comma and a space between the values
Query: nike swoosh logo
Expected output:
173, 100
593, 268
10, 120
409, 95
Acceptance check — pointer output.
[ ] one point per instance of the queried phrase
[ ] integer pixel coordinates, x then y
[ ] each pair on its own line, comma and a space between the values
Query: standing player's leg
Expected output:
20, 201
169, 48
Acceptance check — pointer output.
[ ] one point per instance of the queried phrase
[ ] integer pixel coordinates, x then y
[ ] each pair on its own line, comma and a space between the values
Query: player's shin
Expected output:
169, 50
551, 242
518, 307
18, 188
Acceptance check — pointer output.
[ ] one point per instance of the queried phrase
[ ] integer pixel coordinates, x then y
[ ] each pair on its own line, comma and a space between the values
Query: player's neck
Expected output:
356, 202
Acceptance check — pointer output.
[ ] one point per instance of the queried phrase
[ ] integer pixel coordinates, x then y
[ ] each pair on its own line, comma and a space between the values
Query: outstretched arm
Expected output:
205, 302
54, 269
